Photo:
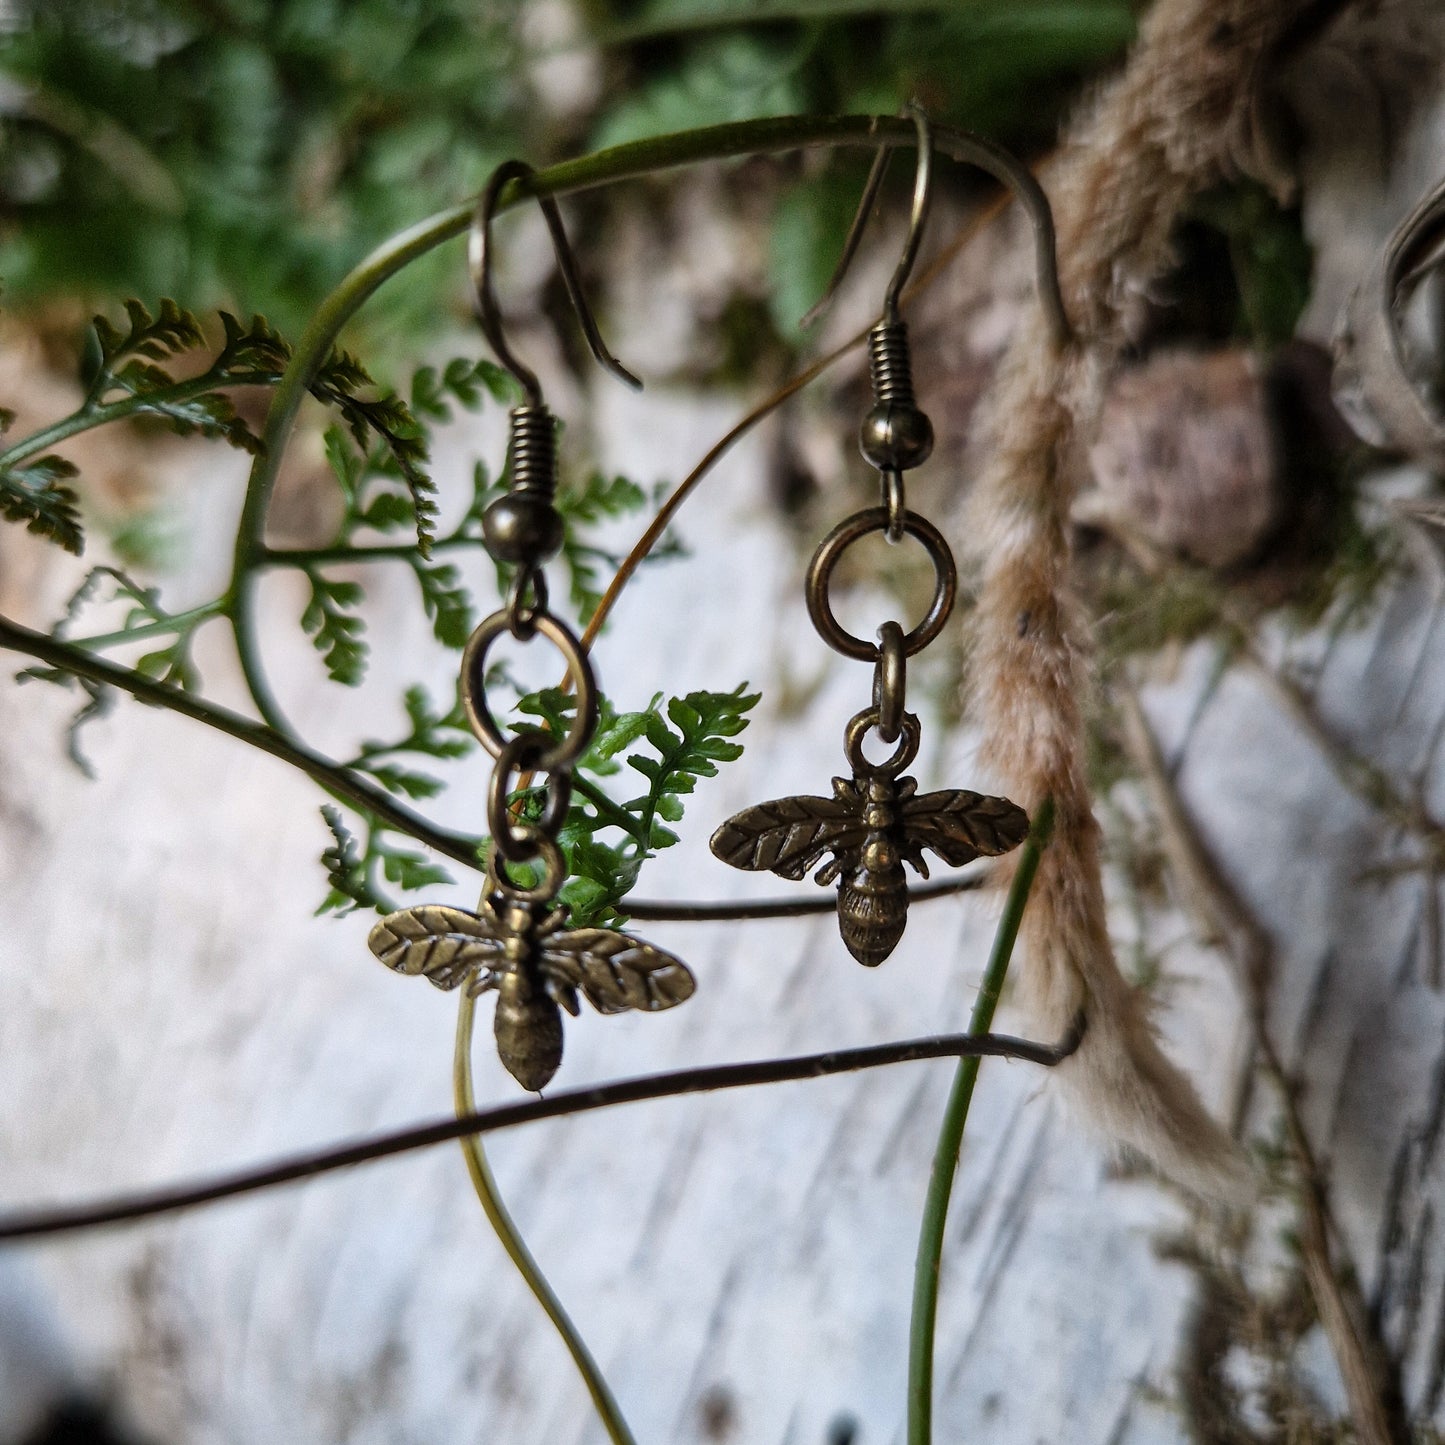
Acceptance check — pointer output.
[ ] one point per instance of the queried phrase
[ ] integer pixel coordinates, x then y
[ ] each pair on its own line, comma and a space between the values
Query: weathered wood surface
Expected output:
168, 1005
741, 1265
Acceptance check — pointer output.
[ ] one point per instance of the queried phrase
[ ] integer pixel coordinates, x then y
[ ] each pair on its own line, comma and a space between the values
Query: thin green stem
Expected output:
627, 162
239, 612
180, 622
484, 1182
344, 552
615, 814
334, 778
91, 415
950, 1139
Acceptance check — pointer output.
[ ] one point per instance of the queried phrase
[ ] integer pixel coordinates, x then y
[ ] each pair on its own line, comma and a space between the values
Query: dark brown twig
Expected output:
338, 780
34, 1223
660, 911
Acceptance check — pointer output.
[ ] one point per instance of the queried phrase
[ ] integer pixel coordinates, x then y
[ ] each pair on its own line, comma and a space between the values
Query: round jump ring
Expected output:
512, 836
554, 870
891, 766
890, 677
832, 547
579, 671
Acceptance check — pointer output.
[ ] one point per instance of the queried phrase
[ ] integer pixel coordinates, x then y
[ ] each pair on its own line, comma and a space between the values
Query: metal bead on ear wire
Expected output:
877, 821
518, 942
524, 525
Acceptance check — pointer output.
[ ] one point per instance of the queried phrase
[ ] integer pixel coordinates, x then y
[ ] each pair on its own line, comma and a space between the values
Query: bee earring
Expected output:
518, 942
877, 821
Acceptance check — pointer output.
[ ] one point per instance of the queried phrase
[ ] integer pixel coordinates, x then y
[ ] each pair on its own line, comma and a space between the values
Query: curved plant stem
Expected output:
950, 1139
484, 1182
712, 143
251, 555
330, 775
653, 533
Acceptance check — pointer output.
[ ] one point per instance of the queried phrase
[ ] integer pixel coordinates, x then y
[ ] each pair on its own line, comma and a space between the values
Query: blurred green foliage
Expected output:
1007, 68
246, 153
1003, 66
241, 152
1269, 259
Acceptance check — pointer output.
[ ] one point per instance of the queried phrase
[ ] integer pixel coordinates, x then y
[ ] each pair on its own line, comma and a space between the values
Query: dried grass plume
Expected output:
1173, 123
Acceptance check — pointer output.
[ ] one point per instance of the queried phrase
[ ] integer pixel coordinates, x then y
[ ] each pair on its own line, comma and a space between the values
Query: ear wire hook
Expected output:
896, 435
922, 200
489, 314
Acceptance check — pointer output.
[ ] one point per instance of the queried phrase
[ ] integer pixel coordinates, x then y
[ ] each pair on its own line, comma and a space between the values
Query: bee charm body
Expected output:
538, 966
873, 892
873, 824
528, 1029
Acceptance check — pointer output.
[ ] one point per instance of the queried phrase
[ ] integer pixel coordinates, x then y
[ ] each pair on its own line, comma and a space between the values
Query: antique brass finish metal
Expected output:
830, 550
521, 756
922, 199
579, 675
860, 725
890, 681
522, 614
872, 826
489, 314
895, 435
524, 526
522, 948
877, 821
544, 852
518, 942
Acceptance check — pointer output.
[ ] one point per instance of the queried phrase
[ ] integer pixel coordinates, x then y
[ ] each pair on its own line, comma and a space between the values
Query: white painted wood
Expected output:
757, 1246
748, 1257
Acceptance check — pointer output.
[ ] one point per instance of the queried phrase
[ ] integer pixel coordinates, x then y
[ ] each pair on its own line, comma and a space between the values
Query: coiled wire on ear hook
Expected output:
524, 527
896, 435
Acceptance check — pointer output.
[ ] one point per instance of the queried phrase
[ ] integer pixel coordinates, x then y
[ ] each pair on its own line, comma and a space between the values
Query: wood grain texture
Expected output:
755, 1249
741, 1265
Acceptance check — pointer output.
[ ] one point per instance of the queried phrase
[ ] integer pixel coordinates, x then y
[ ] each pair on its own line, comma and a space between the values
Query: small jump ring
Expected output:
554, 869
890, 767
522, 615
843, 536
564, 750
514, 838
890, 676
894, 503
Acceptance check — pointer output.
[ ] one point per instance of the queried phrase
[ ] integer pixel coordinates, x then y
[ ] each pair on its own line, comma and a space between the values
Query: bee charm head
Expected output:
873, 824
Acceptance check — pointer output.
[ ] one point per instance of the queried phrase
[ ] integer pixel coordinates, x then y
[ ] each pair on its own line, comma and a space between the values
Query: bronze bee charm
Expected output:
872, 826
525, 951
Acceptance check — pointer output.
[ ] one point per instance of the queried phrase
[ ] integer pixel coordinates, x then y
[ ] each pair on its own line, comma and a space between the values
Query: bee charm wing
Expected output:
788, 835
445, 945
617, 972
960, 826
